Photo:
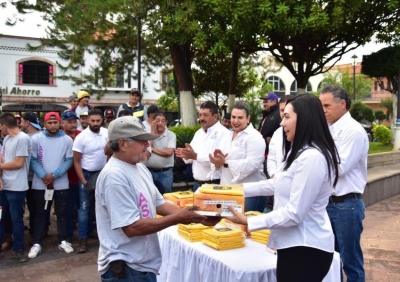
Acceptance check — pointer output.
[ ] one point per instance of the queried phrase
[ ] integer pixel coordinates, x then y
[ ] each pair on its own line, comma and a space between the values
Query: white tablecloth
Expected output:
183, 261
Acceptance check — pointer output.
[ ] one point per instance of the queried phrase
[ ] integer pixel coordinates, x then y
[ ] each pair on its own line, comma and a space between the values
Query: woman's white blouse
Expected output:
301, 194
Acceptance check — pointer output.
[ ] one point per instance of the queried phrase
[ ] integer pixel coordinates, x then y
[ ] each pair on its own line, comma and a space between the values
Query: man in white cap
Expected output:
126, 205
83, 106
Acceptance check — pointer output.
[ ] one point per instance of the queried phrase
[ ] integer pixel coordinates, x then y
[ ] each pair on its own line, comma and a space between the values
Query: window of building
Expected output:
116, 78
376, 86
293, 87
35, 72
277, 83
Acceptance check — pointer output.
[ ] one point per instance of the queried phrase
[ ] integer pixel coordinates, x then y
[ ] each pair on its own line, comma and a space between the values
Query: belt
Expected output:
338, 199
215, 181
159, 169
93, 171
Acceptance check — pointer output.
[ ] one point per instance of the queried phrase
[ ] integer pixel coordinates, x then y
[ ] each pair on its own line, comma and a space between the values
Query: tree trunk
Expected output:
233, 80
182, 60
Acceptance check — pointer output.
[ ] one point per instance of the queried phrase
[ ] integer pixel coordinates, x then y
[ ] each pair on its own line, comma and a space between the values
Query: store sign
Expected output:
20, 91
34, 108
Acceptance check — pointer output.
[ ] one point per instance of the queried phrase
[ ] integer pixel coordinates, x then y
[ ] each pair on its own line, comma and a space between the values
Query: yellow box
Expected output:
170, 198
179, 199
217, 204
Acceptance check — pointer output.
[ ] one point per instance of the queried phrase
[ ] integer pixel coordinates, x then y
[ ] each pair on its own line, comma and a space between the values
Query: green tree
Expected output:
383, 65
309, 36
380, 115
359, 111
168, 102
345, 80
211, 76
388, 104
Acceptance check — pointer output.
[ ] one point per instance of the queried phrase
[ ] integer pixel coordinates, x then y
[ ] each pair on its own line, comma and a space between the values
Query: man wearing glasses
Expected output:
134, 106
126, 205
162, 158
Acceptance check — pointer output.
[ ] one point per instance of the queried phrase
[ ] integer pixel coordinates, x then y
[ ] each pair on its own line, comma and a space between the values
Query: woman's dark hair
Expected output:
242, 106
311, 130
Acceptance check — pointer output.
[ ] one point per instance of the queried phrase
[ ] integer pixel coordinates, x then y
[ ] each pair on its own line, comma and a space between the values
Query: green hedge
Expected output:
184, 134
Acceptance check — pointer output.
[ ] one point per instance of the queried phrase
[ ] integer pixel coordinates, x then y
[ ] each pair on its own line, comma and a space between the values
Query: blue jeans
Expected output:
255, 203
84, 222
346, 219
131, 276
13, 204
73, 202
163, 180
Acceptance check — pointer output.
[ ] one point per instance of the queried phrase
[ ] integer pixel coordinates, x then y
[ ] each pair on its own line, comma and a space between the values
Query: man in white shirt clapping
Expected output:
211, 136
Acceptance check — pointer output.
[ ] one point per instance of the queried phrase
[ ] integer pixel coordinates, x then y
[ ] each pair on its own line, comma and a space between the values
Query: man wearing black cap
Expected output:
134, 106
271, 118
226, 121
270, 122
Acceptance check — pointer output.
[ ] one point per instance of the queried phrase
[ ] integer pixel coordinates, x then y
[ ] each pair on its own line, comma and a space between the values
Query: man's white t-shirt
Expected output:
91, 146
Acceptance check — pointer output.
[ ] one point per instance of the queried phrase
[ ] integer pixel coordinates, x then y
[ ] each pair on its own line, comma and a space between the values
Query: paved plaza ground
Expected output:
380, 242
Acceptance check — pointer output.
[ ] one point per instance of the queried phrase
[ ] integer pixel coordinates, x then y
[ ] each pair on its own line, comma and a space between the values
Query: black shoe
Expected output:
82, 248
21, 256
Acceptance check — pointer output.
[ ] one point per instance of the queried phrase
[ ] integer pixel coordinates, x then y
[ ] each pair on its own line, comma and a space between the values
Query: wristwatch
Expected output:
226, 165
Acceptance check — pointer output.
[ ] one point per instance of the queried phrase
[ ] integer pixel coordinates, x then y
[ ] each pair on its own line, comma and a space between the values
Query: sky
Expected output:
34, 26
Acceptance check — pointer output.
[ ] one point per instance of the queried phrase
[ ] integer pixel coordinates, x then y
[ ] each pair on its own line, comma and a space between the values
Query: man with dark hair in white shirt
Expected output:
211, 136
346, 207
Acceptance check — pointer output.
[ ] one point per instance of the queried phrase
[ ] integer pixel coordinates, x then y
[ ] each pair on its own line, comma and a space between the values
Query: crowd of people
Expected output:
304, 167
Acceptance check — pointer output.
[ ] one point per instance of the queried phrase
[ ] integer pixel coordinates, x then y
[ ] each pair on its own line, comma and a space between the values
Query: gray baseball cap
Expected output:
128, 127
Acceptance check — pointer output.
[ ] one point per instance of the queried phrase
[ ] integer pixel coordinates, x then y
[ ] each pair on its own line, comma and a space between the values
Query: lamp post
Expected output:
354, 57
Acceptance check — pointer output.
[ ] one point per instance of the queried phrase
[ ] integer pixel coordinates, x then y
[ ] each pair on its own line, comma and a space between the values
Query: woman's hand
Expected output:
237, 217
218, 158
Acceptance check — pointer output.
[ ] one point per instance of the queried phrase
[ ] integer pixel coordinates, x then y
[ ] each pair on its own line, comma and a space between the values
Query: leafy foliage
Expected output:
359, 111
380, 115
388, 104
345, 80
168, 102
382, 134
384, 63
184, 134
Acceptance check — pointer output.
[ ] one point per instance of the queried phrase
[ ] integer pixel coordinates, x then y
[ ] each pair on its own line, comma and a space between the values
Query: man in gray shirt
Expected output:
161, 160
126, 205
14, 166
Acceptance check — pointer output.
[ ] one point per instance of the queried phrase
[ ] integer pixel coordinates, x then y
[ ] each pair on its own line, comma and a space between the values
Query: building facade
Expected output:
28, 80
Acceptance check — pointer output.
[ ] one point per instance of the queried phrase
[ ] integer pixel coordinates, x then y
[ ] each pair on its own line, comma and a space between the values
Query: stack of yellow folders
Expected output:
223, 238
260, 236
192, 232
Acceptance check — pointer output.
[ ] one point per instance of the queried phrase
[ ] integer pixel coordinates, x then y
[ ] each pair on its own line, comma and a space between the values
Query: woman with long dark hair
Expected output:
300, 227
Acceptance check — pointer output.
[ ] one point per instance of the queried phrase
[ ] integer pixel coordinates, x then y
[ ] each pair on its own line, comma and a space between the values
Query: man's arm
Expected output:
146, 226
17, 163
78, 167
163, 152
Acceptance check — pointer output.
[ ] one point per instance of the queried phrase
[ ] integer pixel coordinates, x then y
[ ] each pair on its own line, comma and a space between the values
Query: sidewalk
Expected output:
380, 242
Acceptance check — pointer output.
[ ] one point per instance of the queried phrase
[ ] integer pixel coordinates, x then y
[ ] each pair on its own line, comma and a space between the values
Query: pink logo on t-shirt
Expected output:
40, 155
144, 207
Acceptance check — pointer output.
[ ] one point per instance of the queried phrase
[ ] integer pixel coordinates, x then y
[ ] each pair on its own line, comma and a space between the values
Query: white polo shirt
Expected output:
91, 146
